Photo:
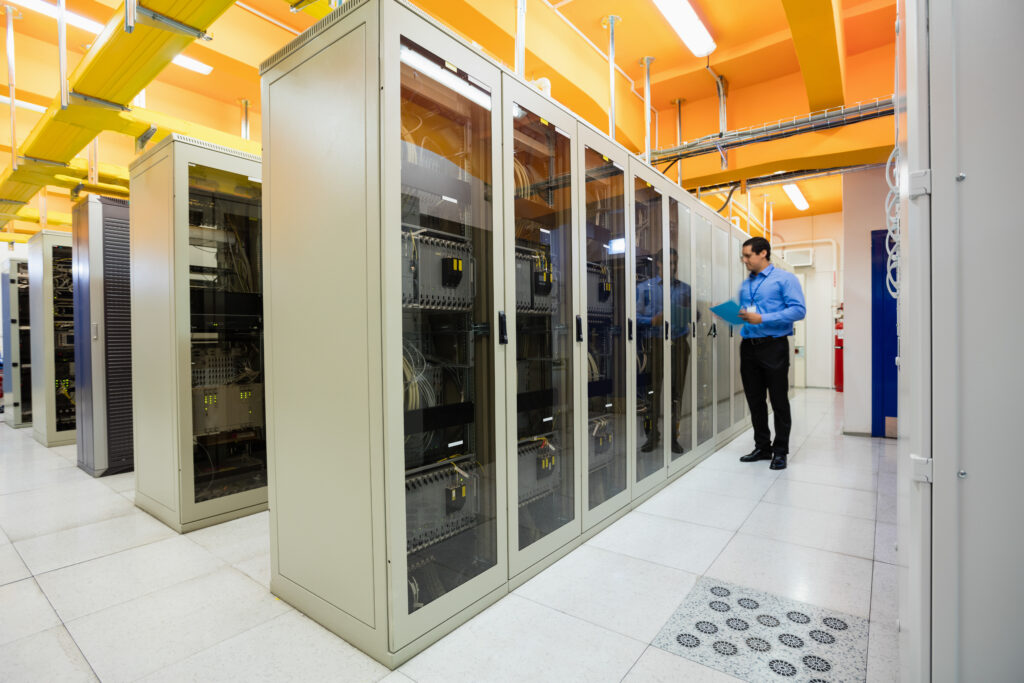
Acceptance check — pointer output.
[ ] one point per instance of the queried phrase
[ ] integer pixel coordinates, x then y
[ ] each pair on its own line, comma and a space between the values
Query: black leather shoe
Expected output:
676, 448
778, 462
755, 455
649, 445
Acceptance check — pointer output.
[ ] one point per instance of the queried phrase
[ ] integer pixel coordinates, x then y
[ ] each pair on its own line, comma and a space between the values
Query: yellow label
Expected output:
451, 66
463, 490
545, 122
605, 158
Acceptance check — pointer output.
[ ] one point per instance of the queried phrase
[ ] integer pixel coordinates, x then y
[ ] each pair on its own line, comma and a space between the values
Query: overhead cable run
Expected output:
821, 120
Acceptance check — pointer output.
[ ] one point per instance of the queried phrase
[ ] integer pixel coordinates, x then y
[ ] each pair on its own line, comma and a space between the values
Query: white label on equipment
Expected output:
453, 444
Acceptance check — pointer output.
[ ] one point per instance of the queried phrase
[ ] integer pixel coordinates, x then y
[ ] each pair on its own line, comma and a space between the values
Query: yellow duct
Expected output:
31, 215
113, 71
18, 237
106, 189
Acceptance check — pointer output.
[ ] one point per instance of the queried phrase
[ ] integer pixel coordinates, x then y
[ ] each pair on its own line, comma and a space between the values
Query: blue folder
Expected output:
729, 312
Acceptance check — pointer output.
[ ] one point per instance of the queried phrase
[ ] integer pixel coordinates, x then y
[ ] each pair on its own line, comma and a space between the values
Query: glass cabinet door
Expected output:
606, 326
650, 329
63, 340
703, 349
680, 272
723, 346
225, 252
739, 400
447, 281
25, 344
542, 171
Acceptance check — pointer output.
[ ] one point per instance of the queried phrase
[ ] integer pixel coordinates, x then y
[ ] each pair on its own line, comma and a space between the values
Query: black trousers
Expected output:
677, 372
764, 368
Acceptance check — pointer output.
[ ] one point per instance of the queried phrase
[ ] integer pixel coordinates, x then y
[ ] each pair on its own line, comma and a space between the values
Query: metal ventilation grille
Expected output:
118, 318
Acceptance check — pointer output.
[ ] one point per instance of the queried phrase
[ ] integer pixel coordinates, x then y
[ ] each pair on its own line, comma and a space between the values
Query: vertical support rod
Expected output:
10, 82
521, 38
245, 119
94, 155
609, 21
723, 125
42, 209
62, 53
679, 137
764, 217
130, 15
646, 107
771, 221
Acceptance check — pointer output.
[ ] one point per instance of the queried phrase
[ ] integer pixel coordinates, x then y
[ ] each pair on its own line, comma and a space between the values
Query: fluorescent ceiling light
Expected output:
445, 77
796, 196
52, 11
192, 65
95, 27
687, 24
617, 246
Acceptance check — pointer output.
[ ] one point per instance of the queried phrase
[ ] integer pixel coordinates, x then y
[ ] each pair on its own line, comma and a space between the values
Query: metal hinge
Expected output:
922, 468
920, 183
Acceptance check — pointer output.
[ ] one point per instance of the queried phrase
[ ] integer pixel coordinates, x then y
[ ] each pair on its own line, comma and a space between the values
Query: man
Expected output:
770, 302
650, 318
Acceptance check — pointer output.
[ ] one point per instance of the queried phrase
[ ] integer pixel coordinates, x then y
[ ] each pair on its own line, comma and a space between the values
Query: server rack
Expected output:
17, 343
51, 305
197, 333
103, 359
414, 474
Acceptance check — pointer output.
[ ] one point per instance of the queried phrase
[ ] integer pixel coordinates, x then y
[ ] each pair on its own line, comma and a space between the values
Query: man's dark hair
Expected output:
759, 244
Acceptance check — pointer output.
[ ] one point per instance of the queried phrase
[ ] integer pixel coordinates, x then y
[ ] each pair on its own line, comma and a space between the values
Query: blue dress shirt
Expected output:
778, 299
649, 304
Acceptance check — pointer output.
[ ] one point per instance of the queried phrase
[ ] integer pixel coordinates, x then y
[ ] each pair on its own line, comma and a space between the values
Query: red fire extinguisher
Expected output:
839, 351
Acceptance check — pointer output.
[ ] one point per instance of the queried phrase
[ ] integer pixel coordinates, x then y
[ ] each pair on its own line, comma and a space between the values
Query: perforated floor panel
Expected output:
763, 637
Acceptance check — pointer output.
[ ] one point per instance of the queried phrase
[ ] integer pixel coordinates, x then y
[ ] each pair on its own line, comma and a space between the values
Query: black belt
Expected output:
754, 341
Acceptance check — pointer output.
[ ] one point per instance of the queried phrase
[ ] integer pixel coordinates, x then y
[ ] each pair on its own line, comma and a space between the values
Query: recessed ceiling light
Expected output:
685, 22
796, 196
192, 64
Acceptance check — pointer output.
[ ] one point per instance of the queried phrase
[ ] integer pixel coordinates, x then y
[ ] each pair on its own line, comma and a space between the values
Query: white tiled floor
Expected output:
92, 588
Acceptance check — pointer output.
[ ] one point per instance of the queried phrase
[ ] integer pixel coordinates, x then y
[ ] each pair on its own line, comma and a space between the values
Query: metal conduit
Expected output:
822, 120
788, 177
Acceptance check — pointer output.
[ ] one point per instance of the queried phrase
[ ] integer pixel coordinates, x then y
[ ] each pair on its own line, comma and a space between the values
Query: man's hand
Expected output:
751, 317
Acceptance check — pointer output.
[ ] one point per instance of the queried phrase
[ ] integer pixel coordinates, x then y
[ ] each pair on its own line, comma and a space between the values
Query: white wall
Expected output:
863, 211
823, 282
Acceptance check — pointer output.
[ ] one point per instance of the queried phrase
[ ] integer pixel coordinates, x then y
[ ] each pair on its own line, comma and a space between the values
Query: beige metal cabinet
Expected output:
451, 328
53, 338
197, 333
17, 343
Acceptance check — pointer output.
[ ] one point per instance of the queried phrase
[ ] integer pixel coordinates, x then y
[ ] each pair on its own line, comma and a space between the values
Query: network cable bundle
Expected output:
17, 351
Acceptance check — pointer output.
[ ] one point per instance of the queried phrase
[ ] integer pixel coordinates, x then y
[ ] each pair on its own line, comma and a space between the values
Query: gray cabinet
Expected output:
51, 304
17, 343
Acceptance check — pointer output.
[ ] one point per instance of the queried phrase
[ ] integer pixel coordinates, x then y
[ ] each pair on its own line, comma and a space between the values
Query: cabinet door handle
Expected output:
502, 328
666, 329
629, 329
579, 328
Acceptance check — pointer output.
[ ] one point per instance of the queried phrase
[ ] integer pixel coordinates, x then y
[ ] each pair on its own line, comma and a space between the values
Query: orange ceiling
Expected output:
755, 53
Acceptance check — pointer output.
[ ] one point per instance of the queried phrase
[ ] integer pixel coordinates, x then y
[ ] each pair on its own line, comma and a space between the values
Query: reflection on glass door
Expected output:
681, 314
542, 167
723, 358
606, 324
739, 400
229, 448
650, 324
703, 349
447, 304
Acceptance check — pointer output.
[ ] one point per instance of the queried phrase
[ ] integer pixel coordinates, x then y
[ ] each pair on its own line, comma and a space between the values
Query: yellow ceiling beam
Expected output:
114, 70
817, 28
31, 215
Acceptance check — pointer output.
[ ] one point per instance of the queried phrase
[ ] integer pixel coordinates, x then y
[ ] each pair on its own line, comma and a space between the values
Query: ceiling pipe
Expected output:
723, 126
679, 134
521, 38
789, 177
646, 61
609, 23
821, 120
10, 82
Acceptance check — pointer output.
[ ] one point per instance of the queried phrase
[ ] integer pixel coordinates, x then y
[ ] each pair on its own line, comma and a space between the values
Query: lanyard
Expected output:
753, 292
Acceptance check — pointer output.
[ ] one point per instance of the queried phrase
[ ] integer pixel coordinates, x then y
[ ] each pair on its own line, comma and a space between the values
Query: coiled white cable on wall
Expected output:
892, 219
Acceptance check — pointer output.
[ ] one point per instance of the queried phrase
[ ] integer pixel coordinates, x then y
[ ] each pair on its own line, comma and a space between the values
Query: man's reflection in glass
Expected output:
650, 317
